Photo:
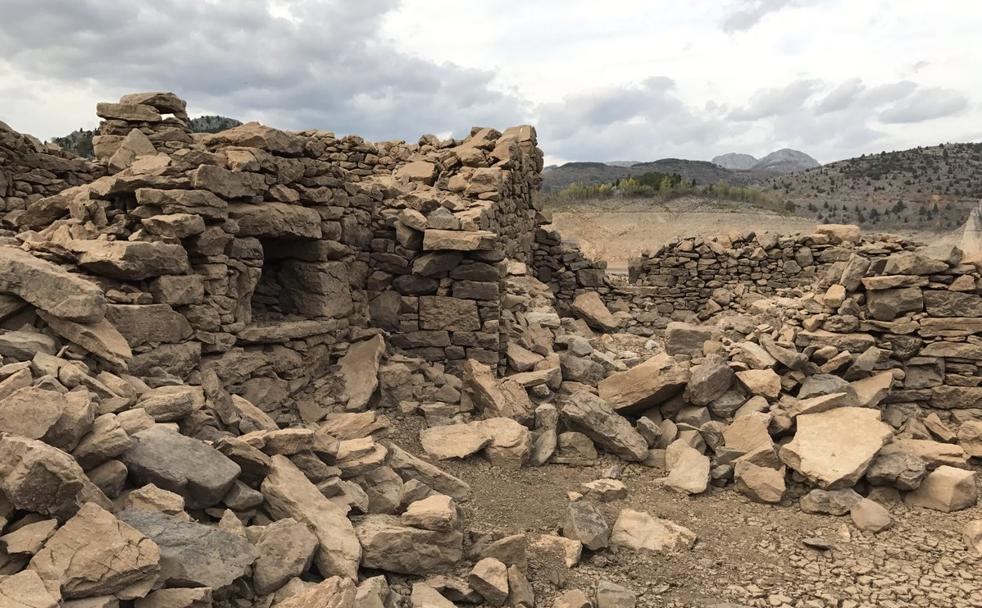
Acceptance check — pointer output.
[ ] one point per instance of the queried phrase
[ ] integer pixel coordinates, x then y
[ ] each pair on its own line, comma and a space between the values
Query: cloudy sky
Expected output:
601, 80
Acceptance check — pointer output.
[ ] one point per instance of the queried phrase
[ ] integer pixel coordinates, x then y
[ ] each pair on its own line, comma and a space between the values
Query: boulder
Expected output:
334, 592
763, 382
95, 553
286, 549
437, 512
193, 554
639, 531
131, 260
99, 338
833, 449
493, 397
489, 578
359, 370
591, 308
42, 479
181, 464
389, 545
26, 590
888, 304
585, 523
50, 287
973, 535
688, 469
646, 385
708, 381
410, 467
945, 489
686, 339
902, 470
870, 516
592, 416
830, 502
458, 240
276, 220
149, 323
969, 437
288, 493
762, 484
612, 595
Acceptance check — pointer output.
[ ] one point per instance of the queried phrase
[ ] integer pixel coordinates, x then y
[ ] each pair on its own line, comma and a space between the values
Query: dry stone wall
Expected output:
31, 170
258, 254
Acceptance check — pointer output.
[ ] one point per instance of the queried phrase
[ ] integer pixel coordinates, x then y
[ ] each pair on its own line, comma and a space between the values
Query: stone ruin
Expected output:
208, 339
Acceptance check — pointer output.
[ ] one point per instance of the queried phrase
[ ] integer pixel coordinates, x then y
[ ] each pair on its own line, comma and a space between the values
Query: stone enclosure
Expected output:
206, 339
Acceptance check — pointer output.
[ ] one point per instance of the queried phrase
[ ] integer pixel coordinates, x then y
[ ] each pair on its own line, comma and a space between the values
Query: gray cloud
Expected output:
925, 104
643, 121
327, 67
775, 102
748, 13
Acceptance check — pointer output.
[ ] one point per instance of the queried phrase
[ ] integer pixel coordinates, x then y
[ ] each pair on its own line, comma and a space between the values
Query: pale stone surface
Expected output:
96, 554
334, 592
437, 512
50, 287
289, 493
391, 546
833, 449
656, 380
759, 483
26, 590
489, 577
640, 531
945, 489
286, 549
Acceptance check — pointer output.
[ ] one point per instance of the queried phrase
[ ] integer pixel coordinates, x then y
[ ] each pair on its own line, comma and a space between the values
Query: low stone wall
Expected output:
31, 170
707, 275
914, 314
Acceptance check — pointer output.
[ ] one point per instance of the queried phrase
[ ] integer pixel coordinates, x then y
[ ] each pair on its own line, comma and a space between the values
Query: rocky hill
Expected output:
924, 188
557, 177
786, 160
735, 161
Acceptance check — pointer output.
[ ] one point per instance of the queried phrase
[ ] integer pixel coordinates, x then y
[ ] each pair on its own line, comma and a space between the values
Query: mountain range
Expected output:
733, 168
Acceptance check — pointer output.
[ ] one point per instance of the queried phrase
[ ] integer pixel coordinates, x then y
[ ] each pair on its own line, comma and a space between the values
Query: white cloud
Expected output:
634, 79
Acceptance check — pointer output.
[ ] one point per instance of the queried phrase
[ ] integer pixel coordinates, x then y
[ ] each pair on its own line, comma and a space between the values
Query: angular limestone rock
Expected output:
595, 418
289, 493
640, 531
946, 489
180, 464
389, 545
286, 549
833, 449
643, 386
99, 338
96, 554
131, 260
591, 308
193, 554
50, 287
359, 369
42, 479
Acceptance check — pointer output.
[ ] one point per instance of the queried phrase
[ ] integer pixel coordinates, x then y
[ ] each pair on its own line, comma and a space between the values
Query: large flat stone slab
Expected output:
50, 287
833, 449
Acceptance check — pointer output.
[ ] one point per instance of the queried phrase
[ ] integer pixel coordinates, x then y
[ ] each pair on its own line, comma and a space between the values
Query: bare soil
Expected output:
749, 554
